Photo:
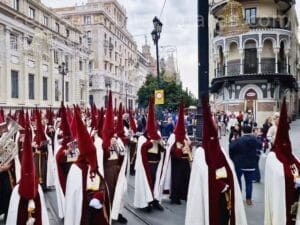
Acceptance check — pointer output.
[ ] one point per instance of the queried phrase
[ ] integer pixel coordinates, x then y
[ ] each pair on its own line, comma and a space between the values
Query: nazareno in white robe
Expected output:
197, 209
12, 214
142, 192
275, 206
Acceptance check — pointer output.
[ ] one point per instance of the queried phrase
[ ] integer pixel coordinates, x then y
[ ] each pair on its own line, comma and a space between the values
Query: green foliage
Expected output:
173, 94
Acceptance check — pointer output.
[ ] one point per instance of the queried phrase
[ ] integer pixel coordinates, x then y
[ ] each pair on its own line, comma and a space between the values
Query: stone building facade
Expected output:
114, 60
34, 41
255, 56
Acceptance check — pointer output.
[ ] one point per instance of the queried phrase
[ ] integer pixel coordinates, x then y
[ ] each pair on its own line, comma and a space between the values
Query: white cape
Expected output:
142, 193
197, 209
12, 214
275, 207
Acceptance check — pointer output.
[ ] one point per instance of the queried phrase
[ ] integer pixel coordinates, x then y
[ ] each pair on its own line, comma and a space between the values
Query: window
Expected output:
14, 84
68, 32
16, 5
67, 62
80, 65
55, 52
56, 95
31, 86
45, 88
80, 40
67, 91
46, 21
105, 66
57, 27
250, 15
31, 13
87, 20
13, 42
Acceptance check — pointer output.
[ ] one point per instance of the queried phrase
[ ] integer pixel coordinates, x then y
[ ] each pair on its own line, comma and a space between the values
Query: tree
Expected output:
173, 94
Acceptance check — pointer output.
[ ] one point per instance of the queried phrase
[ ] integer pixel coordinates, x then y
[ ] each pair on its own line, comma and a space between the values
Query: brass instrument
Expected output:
8, 147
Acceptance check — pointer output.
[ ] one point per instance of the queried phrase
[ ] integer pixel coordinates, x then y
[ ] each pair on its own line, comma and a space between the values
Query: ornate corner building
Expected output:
34, 41
255, 56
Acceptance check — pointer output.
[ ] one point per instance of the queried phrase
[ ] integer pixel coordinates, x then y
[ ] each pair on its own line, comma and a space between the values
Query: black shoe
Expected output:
157, 206
122, 219
147, 209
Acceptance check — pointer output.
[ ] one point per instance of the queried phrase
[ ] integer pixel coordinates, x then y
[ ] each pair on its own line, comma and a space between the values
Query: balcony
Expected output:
236, 69
251, 72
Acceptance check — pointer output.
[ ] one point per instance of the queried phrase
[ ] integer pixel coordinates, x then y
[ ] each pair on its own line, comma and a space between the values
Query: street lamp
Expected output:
156, 36
63, 70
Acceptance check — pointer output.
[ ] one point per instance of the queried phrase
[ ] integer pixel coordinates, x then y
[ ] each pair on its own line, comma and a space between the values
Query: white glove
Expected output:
297, 182
30, 221
95, 203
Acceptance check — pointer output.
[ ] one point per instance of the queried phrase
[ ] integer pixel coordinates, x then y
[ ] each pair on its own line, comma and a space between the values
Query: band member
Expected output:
282, 178
214, 196
115, 163
40, 148
6, 186
149, 165
133, 142
179, 149
87, 199
27, 204
67, 154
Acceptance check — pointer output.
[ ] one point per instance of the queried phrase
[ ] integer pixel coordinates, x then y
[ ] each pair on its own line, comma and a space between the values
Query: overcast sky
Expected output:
179, 29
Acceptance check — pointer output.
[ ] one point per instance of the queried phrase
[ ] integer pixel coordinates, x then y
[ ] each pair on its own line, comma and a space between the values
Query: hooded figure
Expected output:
282, 178
214, 196
65, 156
133, 142
27, 204
114, 163
178, 158
149, 166
87, 199
41, 148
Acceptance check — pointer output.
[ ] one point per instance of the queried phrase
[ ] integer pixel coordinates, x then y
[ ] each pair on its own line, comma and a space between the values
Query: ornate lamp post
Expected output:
156, 36
63, 70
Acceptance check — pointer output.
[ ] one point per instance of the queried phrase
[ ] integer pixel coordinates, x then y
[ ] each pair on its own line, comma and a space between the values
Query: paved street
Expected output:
174, 214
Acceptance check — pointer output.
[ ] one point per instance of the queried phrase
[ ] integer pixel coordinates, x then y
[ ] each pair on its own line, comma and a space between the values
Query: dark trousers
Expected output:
249, 176
257, 171
180, 176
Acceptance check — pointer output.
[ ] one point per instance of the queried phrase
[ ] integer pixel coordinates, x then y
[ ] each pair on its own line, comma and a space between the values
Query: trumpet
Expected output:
8, 147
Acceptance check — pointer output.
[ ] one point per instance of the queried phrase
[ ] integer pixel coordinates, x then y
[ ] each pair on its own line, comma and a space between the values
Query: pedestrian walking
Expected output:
243, 152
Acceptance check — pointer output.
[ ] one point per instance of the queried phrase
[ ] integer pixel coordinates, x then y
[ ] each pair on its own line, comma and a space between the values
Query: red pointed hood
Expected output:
210, 139
49, 116
179, 130
108, 126
94, 118
282, 144
73, 123
100, 121
40, 136
151, 126
86, 146
64, 127
28, 185
132, 122
120, 124
21, 118
2, 120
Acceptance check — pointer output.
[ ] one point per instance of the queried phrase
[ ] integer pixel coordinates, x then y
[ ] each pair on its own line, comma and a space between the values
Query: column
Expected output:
216, 71
287, 60
259, 52
276, 52
226, 61
241, 52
